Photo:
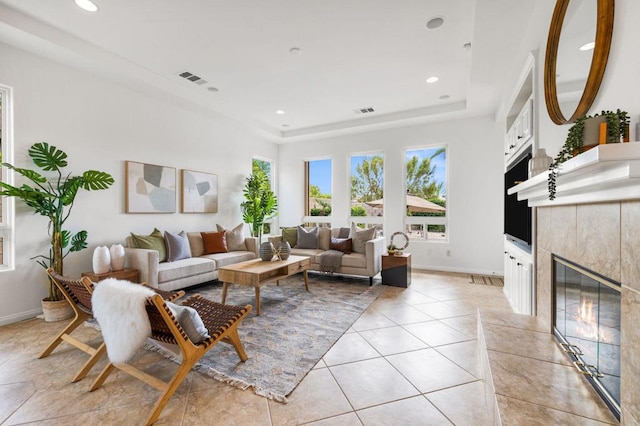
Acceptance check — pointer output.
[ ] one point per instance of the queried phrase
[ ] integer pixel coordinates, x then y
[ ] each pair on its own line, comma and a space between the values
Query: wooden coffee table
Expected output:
256, 273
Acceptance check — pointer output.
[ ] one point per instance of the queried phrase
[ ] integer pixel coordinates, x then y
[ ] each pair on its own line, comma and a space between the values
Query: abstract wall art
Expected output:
199, 192
150, 188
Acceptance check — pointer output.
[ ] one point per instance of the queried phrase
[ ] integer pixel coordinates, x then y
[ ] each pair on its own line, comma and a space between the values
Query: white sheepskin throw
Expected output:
118, 306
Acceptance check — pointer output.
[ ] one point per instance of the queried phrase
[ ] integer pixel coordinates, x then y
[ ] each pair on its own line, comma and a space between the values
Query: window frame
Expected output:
7, 227
425, 221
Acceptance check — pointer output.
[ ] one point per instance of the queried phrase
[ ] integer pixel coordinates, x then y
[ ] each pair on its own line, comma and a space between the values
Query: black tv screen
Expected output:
517, 214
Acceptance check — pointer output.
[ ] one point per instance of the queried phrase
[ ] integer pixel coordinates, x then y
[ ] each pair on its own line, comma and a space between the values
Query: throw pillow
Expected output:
307, 239
324, 238
177, 246
344, 245
214, 242
290, 235
234, 237
153, 241
190, 321
360, 237
344, 232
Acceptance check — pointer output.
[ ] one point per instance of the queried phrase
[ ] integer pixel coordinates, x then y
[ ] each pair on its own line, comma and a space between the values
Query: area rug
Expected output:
293, 332
486, 280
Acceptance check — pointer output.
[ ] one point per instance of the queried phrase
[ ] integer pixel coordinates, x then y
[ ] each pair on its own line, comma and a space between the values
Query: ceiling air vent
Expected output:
192, 78
364, 110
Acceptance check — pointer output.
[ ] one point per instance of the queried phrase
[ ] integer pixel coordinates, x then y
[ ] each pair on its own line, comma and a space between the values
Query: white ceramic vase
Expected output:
116, 252
539, 163
101, 260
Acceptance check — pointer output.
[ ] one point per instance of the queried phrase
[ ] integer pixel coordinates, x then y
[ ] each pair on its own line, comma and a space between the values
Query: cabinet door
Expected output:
526, 122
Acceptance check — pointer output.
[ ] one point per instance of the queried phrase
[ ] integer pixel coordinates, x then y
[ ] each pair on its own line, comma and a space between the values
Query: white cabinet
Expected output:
518, 279
519, 134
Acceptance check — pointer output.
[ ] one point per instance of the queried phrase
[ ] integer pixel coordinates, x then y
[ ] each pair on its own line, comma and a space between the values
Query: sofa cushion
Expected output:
234, 237
312, 253
195, 243
344, 245
225, 259
290, 235
307, 239
177, 246
324, 238
214, 242
153, 241
354, 260
360, 237
169, 271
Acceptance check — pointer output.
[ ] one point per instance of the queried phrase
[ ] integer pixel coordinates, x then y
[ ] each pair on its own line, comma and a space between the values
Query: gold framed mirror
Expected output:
598, 63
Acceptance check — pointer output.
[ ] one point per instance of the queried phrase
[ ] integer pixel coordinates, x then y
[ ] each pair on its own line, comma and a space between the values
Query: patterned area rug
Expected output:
486, 280
293, 332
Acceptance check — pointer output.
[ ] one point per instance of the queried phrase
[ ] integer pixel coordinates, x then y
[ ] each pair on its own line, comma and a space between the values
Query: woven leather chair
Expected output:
78, 293
221, 322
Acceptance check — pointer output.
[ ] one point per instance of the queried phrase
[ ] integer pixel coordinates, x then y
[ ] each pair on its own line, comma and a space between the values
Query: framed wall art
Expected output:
199, 192
149, 188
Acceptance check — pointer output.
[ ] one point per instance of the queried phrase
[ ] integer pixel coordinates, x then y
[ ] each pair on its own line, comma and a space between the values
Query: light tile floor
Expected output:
410, 359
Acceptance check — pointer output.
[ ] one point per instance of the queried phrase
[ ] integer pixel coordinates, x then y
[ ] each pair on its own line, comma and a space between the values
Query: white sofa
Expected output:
366, 264
197, 269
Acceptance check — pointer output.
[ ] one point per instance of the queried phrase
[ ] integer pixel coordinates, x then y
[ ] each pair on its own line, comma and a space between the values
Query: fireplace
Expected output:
587, 314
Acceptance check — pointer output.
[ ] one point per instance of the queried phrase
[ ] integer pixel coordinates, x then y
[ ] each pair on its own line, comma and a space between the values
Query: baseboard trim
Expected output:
10, 319
458, 270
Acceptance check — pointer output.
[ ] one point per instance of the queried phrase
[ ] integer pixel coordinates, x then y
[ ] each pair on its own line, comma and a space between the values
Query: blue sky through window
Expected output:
320, 175
440, 163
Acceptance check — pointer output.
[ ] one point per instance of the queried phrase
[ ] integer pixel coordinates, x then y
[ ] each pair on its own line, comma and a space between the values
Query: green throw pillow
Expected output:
153, 241
290, 235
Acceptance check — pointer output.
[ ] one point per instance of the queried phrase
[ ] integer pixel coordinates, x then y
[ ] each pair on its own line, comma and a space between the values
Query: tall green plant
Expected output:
261, 203
54, 199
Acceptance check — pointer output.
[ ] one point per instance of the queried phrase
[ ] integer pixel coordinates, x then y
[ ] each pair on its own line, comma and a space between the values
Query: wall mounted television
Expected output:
517, 214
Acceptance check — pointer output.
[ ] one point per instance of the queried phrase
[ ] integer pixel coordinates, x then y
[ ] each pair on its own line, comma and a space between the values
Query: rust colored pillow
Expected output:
344, 245
214, 242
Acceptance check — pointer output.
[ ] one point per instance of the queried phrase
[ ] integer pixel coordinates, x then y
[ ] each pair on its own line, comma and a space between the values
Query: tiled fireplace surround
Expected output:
603, 237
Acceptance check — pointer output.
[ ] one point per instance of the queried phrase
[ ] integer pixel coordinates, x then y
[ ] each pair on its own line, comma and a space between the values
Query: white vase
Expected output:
117, 257
539, 163
101, 260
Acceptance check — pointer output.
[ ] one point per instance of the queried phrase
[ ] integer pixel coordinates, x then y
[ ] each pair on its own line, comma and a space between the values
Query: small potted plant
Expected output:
53, 197
392, 249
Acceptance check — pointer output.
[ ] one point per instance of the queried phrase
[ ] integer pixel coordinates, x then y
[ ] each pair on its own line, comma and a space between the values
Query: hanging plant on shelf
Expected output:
617, 130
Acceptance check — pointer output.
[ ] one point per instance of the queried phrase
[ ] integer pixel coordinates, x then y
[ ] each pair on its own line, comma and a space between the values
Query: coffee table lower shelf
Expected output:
256, 273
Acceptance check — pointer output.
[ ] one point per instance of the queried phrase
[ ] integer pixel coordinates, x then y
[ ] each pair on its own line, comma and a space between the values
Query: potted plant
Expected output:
392, 249
617, 130
53, 198
261, 203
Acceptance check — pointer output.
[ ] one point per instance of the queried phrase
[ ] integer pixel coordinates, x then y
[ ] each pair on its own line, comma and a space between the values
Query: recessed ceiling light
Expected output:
435, 22
432, 79
87, 5
279, 112
213, 89
588, 46
443, 97
295, 50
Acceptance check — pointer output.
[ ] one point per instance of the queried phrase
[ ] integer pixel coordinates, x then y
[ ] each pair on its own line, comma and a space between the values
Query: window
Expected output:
426, 183
6, 204
318, 206
367, 190
265, 166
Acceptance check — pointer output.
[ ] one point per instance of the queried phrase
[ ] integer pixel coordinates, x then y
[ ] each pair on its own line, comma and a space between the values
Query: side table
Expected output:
125, 274
396, 270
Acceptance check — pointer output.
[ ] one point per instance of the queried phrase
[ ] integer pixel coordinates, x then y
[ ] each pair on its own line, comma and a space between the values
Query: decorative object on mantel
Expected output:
116, 252
539, 163
396, 249
617, 130
101, 260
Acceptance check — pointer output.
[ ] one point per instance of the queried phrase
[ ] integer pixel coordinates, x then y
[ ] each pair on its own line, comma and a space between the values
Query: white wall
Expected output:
474, 195
100, 125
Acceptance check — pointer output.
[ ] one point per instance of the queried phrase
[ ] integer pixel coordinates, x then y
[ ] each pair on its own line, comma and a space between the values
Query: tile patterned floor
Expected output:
410, 359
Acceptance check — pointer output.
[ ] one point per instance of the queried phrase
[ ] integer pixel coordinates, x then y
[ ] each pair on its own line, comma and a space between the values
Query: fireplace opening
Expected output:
587, 326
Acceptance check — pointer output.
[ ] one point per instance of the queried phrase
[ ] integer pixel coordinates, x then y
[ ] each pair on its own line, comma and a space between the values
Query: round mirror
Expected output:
576, 56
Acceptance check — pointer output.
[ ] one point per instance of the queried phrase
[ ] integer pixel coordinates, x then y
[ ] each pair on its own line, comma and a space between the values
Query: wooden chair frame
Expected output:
165, 328
78, 293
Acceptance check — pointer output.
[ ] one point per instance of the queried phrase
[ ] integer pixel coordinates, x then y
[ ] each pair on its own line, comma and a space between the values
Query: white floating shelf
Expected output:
608, 172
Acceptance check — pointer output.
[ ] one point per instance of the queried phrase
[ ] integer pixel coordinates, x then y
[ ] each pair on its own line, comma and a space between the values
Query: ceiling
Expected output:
353, 54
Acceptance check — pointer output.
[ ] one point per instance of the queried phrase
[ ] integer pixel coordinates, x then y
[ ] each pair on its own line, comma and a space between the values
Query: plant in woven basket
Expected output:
53, 198
617, 129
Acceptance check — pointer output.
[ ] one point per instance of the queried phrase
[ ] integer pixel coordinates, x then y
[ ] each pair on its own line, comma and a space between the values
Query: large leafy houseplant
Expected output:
260, 202
617, 129
54, 198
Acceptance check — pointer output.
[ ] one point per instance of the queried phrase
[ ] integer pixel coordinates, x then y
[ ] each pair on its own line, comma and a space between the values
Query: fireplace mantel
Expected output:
608, 172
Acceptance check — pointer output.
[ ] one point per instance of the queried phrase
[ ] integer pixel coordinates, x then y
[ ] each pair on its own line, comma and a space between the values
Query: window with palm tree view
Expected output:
426, 183
367, 190
318, 202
